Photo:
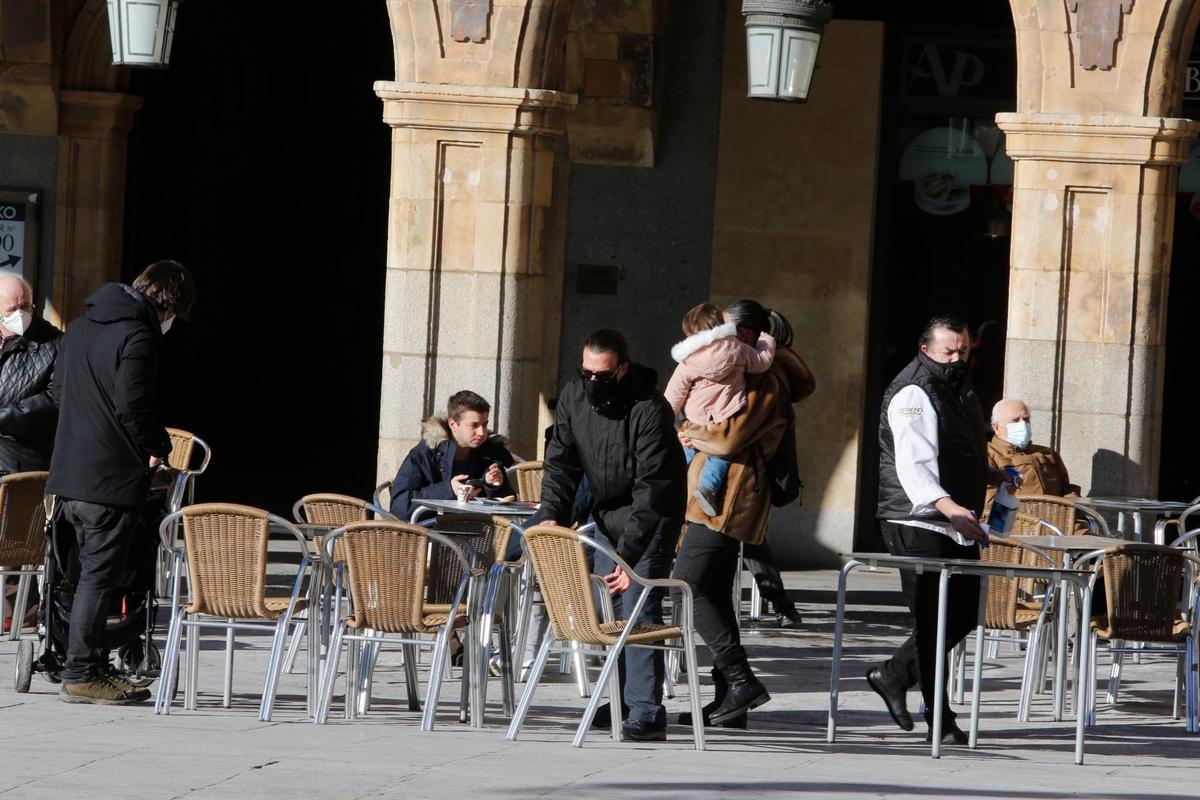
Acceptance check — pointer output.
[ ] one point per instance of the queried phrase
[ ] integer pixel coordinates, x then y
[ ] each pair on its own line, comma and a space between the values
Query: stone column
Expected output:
1097, 151
476, 129
93, 138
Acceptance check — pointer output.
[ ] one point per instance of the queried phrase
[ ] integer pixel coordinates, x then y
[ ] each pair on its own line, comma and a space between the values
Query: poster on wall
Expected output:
19, 232
946, 165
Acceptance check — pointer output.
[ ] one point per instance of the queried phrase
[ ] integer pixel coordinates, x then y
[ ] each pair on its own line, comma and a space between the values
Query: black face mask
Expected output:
952, 373
602, 395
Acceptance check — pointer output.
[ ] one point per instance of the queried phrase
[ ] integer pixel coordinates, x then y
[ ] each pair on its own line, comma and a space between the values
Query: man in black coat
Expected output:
615, 427
453, 450
109, 440
28, 348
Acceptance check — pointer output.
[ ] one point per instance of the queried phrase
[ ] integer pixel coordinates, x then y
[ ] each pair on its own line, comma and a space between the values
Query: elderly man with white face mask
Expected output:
28, 347
1041, 468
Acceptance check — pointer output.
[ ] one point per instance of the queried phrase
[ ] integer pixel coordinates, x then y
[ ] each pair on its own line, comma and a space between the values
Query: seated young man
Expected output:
455, 449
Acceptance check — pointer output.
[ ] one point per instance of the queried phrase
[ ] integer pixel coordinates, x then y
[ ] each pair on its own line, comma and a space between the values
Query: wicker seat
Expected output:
529, 481
225, 548
566, 585
393, 579
22, 538
1145, 586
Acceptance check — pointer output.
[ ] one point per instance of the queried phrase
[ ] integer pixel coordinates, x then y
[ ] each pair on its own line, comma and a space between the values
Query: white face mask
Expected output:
166, 323
17, 322
1018, 434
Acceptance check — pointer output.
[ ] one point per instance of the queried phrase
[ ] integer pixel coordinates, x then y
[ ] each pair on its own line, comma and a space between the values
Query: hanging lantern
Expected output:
142, 31
782, 41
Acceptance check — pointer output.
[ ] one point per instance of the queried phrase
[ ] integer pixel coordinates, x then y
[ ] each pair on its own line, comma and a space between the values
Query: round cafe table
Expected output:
1134, 508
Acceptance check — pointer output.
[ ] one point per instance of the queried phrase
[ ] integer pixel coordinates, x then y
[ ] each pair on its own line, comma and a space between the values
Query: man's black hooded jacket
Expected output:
633, 460
108, 422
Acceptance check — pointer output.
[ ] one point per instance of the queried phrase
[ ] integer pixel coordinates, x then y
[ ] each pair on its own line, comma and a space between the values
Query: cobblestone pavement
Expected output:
50, 749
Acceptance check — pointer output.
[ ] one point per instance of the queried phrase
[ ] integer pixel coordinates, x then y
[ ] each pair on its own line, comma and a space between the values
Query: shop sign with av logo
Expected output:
18, 231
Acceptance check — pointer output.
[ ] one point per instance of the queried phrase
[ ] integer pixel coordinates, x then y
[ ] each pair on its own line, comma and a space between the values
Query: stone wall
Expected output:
794, 228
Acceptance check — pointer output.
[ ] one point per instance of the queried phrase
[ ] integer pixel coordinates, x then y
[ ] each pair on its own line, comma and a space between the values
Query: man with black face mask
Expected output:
933, 473
614, 426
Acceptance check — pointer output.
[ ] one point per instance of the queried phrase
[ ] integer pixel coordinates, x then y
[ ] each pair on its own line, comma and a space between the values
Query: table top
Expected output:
965, 566
489, 507
1069, 543
1123, 503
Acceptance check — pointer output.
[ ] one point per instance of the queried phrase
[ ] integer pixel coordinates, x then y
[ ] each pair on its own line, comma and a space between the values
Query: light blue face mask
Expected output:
1018, 434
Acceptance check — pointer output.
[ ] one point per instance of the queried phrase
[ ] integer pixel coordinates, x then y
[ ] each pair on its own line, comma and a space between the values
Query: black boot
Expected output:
719, 683
744, 692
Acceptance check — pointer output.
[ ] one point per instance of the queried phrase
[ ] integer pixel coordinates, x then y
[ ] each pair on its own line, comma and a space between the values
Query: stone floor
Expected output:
50, 749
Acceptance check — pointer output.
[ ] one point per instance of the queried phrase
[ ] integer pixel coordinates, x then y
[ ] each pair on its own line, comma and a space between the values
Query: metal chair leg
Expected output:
227, 695
693, 679
193, 669
531, 683
410, 676
329, 676
274, 667
20, 601
289, 662
440, 652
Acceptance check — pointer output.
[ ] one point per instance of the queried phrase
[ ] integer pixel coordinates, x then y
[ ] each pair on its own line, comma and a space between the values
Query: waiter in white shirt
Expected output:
933, 475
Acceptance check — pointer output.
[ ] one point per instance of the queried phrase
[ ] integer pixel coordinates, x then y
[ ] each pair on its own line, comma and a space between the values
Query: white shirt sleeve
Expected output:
915, 433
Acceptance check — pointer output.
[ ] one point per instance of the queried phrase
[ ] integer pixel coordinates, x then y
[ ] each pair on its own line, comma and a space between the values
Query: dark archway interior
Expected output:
260, 160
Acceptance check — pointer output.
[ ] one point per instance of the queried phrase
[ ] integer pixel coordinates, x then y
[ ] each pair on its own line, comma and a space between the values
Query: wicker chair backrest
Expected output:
1058, 511
1142, 583
387, 563
529, 481
565, 583
22, 519
1004, 594
182, 444
227, 560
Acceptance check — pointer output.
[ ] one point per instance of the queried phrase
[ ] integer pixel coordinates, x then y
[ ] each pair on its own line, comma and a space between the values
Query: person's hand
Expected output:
962, 520
155, 462
458, 484
617, 581
494, 476
683, 438
997, 476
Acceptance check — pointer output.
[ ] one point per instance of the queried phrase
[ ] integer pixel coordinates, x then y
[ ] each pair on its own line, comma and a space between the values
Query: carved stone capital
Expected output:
441, 106
1097, 139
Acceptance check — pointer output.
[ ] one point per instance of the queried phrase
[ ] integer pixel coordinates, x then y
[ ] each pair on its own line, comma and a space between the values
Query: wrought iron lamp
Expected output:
782, 41
142, 31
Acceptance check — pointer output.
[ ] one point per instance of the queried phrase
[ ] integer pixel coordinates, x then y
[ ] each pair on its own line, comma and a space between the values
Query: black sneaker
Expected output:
603, 716
789, 618
951, 734
640, 730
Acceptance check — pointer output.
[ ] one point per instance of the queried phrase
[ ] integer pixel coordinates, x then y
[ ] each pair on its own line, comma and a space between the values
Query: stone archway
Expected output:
1098, 147
473, 244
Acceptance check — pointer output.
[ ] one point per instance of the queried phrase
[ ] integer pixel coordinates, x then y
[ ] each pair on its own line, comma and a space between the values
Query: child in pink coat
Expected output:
709, 385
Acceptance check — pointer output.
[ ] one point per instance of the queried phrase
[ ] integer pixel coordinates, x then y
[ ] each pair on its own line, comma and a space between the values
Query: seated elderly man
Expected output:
1041, 468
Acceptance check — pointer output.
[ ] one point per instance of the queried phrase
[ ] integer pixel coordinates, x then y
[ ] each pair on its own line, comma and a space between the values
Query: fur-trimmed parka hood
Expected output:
702, 339
436, 430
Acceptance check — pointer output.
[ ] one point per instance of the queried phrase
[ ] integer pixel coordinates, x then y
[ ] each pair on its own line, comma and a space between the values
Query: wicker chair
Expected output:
225, 549
566, 585
1011, 609
529, 481
382, 496
22, 538
392, 576
330, 511
1063, 513
1143, 585
183, 458
485, 540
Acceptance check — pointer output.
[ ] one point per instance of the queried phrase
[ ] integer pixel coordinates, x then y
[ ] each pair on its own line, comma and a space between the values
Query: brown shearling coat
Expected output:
748, 440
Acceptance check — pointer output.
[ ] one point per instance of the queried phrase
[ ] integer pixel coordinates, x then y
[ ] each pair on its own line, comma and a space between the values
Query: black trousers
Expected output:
761, 564
641, 670
708, 561
914, 662
103, 535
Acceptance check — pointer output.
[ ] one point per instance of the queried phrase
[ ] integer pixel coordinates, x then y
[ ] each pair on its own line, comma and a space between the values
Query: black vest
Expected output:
962, 443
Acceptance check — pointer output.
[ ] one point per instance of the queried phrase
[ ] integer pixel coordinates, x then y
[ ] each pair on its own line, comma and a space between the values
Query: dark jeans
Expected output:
914, 662
103, 535
707, 562
761, 564
641, 670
